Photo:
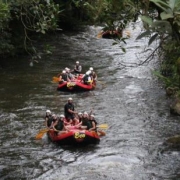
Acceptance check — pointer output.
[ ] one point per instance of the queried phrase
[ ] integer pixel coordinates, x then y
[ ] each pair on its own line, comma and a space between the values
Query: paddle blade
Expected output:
99, 35
55, 79
101, 133
103, 126
41, 134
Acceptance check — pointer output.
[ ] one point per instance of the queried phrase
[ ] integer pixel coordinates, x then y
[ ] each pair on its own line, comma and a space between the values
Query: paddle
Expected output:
55, 79
103, 83
41, 133
99, 35
102, 126
101, 133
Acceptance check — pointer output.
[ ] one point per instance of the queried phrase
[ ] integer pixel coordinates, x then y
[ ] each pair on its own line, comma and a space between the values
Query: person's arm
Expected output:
91, 111
94, 126
71, 111
60, 78
65, 128
53, 126
78, 125
46, 119
80, 68
95, 76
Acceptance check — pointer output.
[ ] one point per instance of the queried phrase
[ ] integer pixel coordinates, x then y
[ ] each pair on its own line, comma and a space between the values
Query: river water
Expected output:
130, 100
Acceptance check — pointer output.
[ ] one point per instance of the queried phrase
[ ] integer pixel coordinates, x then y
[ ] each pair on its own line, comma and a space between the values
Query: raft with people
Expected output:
72, 128
78, 82
75, 85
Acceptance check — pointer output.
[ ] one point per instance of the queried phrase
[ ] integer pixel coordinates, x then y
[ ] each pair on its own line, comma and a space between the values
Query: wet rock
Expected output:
175, 107
171, 91
174, 140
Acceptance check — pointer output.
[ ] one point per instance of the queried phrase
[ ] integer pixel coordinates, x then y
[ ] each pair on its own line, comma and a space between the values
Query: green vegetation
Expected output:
162, 22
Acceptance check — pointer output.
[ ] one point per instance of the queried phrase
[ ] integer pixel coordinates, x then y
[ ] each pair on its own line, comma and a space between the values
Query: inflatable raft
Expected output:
74, 137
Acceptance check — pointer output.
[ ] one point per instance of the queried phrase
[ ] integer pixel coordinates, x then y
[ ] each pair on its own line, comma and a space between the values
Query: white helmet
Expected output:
54, 116
77, 62
92, 115
85, 113
91, 69
70, 99
63, 71
67, 69
79, 113
61, 116
48, 111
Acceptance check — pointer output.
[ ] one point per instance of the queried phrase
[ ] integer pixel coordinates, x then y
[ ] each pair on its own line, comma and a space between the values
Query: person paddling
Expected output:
93, 74
93, 123
87, 78
48, 119
59, 125
63, 77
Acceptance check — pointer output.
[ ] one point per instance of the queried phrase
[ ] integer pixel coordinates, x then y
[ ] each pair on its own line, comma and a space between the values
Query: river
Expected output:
130, 100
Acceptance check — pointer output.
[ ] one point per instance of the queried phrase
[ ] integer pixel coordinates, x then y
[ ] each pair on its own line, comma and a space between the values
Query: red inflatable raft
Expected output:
74, 137
110, 34
75, 85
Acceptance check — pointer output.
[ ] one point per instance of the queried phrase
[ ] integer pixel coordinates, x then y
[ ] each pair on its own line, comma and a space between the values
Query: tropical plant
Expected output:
25, 18
5, 42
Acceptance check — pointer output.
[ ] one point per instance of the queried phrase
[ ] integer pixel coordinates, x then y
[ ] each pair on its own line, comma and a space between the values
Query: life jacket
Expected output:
66, 107
87, 79
78, 67
86, 122
50, 120
94, 122
64, 77
59, 126
80, 119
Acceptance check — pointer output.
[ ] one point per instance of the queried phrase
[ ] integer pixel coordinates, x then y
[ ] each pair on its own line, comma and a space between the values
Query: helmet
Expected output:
54, 116
85, 113
70, 99
91, 69
77, 62
63, 71
79, 113
92, 115
67, 69
61, 116
48, 111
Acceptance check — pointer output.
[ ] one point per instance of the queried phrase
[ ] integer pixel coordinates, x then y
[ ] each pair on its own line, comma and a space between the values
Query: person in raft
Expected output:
63, 77
93, 74
77, 68
69, 74
59, 125
85, 123
48, 119
93, 123
87, 78
70, 112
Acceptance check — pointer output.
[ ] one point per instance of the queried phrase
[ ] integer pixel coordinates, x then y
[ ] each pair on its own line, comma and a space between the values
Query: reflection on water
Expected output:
130, 100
